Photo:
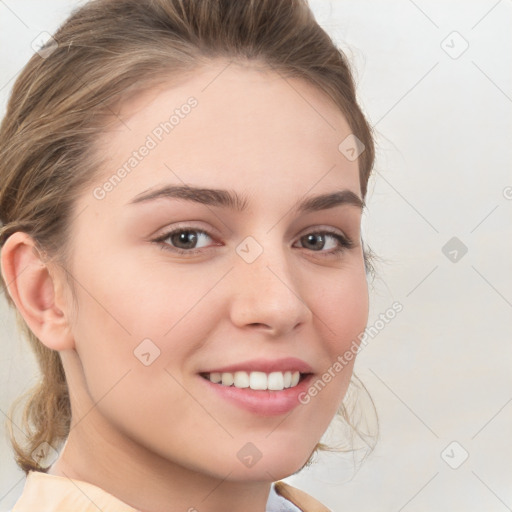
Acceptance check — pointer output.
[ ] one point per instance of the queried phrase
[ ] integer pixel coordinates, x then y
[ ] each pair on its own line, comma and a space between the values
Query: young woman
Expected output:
181, 189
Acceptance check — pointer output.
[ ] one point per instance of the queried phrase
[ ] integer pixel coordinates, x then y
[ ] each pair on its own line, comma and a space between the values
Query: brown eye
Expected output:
184, 240
314, 241
325, 242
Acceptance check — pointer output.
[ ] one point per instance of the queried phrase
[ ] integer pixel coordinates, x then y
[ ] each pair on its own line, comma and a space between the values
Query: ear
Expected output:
37, 294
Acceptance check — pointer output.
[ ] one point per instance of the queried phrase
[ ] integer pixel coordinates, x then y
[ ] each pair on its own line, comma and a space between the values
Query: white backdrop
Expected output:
435, 79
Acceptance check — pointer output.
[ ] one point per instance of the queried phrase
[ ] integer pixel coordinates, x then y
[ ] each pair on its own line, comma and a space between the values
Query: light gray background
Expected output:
440, 371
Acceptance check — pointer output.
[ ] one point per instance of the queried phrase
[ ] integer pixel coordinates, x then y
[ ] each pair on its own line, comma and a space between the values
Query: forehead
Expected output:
233, 126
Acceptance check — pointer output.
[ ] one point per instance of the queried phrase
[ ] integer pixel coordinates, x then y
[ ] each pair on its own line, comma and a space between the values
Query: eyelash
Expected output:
344, 242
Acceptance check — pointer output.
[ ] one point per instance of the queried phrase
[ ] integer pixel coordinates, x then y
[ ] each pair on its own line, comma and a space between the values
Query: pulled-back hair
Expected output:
63, 99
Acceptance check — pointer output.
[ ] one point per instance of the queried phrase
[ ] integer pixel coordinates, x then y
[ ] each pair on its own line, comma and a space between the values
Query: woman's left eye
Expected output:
338, 242
186, 240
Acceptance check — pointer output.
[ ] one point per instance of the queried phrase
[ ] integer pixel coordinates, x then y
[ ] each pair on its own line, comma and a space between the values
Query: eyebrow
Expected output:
234, 201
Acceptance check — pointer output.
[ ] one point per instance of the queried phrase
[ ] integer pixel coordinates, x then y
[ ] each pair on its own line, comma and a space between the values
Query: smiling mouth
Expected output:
258, 381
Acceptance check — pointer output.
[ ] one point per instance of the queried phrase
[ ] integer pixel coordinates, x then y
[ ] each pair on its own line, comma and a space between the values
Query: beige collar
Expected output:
299, 498
52, 493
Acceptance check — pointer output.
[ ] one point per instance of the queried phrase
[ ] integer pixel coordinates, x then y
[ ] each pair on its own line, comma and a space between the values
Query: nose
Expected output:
266, 294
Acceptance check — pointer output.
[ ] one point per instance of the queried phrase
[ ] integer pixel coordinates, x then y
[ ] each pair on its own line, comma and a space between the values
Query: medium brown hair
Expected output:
105, 52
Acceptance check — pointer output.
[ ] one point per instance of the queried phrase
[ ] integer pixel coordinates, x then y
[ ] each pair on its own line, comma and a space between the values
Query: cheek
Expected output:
342, 309
136, 298
130, 315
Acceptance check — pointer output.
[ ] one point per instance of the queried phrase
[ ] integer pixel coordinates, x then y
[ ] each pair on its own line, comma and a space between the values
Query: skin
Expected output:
149, 434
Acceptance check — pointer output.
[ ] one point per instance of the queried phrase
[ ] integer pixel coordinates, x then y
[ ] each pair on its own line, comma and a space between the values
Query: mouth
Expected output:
262, 387
259, 393
256, 380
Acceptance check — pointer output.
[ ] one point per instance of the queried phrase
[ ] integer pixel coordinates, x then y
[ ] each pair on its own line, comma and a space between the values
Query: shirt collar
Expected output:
54, 493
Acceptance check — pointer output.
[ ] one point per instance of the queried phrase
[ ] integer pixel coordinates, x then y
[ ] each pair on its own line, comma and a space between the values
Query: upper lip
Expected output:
265, 365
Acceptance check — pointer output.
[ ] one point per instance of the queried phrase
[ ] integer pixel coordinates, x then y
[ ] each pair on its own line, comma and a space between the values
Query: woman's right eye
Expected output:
183, 240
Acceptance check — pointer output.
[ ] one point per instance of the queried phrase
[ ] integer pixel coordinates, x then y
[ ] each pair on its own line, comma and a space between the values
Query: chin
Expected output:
273, 464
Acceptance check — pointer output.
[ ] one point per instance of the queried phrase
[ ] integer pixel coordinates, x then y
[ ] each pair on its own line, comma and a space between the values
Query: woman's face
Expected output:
252, 288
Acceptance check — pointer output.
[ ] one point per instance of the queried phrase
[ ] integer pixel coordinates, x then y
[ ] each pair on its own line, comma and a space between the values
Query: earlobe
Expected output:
32, 288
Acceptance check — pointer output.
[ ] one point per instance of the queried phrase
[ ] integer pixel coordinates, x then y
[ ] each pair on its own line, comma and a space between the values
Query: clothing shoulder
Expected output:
50, 493
303, 501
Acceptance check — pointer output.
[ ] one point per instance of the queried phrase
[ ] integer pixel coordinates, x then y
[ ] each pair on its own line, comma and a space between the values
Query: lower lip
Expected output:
264, 402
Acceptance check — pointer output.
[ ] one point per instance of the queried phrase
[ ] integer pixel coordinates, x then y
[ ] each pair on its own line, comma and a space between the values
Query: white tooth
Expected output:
276, 381
241, 380
258, 380
287, 379
215, 377
227, 379
295, 378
